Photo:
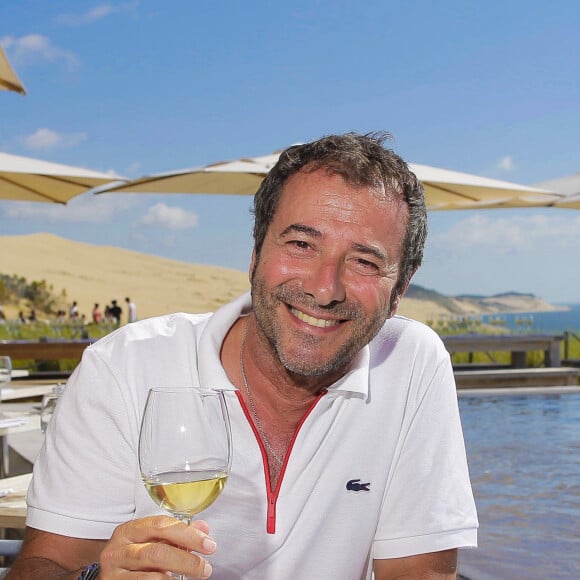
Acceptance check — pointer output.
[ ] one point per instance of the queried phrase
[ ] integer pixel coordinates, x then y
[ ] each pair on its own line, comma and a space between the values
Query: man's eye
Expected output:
300, 244
367, 265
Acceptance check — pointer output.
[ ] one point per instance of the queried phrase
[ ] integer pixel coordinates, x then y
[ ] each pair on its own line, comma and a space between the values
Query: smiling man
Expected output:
348, 450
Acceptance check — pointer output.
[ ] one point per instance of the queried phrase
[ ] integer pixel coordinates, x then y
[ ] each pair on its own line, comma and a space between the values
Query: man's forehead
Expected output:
371, 183
309, 189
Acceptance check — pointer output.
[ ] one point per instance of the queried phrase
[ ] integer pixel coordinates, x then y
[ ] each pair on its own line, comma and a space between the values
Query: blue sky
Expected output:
142, 86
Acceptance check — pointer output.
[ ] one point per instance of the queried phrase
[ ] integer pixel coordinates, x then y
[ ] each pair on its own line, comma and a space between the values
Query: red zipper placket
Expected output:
273, 495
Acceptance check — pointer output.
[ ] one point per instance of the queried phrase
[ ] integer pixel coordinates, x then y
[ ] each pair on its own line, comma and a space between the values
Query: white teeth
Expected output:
320, 322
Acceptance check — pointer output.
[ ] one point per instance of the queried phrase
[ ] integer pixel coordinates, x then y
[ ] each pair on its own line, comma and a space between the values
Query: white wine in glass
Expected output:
185, 448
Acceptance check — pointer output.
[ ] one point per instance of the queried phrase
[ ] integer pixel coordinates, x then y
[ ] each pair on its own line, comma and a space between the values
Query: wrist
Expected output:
90, 572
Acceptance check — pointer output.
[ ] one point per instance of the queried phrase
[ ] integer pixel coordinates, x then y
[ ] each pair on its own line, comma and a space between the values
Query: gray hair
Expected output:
362, 161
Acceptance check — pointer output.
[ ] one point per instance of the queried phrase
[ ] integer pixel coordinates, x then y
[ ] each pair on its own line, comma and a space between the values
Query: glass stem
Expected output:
187, 521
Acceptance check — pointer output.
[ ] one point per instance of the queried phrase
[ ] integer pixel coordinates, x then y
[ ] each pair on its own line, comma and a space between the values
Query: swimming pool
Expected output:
524, 459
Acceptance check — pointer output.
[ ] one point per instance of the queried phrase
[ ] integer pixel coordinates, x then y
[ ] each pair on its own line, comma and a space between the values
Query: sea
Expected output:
551, 322
524, 460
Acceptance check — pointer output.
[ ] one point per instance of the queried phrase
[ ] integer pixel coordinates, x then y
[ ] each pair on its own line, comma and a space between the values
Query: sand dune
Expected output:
89, 273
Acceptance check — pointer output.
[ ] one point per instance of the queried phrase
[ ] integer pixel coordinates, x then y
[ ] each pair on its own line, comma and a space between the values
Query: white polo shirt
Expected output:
376, 469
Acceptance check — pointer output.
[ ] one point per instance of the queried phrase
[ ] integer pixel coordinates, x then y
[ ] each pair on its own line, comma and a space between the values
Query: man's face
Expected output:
323, 281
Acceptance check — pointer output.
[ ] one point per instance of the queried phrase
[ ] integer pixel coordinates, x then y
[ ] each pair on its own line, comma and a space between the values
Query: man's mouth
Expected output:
313, 321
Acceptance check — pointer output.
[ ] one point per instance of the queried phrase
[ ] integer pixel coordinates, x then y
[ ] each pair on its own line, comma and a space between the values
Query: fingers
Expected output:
155, 557
164, 528
159, 544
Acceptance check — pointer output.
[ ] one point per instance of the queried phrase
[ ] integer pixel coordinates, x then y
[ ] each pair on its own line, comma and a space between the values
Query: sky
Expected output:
140, 86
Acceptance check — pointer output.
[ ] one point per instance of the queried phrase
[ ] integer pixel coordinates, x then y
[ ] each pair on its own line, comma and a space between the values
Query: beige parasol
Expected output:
27, 179
569, 202
241, 177
444, 189
569, 186
8, 79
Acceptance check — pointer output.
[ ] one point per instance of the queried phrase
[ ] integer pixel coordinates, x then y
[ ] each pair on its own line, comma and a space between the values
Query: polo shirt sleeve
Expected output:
428, 504
84, 478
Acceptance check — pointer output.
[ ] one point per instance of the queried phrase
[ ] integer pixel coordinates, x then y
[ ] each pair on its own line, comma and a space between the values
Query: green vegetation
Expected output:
37, 295
572, 346
43, 330
12, 330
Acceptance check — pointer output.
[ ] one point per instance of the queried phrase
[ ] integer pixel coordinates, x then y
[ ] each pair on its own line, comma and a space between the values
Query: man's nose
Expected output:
325, 283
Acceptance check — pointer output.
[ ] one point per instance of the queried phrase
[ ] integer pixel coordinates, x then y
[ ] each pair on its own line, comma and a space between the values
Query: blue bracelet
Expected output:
90, 572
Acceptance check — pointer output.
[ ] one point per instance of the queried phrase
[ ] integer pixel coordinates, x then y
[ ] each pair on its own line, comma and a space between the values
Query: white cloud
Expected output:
506, 163
47, 139
133, 169
503, 250
171, 218
90, 208
96, 13
508, 235
35, 48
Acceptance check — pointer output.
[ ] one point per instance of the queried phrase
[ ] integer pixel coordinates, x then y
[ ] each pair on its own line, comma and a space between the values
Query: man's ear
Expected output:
252, 265
394, 306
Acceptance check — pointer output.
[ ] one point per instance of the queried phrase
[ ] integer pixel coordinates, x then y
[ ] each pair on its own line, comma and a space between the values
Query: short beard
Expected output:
265, 304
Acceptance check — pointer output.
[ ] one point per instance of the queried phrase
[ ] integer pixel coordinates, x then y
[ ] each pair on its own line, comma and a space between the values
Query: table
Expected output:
517, 344
27, 389
13, 505
30, 421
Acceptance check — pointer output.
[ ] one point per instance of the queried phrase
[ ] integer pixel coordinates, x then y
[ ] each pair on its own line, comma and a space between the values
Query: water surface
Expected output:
553, 322
524, 458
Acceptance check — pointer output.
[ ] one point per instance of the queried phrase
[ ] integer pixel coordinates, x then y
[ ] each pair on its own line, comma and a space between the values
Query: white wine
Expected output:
186, 493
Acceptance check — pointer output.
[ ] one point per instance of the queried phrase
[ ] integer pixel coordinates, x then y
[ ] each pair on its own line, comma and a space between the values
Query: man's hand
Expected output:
156, 544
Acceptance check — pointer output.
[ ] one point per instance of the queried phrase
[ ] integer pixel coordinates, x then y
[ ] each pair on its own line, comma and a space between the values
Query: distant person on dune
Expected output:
97, 316
73, 311
132, 313
116, 311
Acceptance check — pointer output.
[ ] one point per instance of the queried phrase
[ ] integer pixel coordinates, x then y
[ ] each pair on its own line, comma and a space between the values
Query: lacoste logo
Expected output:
355, 485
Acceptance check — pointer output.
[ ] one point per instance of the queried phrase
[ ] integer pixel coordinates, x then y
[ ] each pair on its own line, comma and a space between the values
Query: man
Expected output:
131, 310
348, 452
115, 311
73, 311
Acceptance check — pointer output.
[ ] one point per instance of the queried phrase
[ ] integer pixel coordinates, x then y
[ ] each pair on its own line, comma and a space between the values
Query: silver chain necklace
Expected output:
253, 411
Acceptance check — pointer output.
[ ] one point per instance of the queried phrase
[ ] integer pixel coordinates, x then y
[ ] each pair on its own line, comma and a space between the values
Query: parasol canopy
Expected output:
444, 189
28, 179
8, 79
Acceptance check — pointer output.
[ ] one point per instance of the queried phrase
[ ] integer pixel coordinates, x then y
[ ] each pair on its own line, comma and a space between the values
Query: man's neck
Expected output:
264, 370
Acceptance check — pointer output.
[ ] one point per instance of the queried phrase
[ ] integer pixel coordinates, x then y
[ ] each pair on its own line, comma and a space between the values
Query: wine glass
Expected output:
185, 448
5, 372
48, 406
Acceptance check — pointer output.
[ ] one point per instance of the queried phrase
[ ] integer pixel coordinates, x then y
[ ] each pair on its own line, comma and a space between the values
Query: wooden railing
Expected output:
51, 349
517, 345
